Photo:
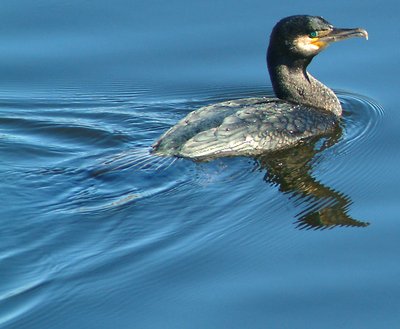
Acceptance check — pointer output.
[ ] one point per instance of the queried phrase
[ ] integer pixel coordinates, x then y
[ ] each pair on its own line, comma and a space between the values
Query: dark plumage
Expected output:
248, 127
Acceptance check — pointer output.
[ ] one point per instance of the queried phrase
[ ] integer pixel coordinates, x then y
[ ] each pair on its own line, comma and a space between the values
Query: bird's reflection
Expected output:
291, 170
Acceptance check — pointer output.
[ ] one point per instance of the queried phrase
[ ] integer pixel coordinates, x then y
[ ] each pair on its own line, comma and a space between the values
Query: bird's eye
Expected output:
313, 34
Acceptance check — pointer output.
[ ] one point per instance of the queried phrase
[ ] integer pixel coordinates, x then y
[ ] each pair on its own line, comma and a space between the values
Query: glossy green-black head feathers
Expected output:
294, 26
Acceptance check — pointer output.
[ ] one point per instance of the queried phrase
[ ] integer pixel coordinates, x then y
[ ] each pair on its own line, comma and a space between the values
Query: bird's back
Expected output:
244, 127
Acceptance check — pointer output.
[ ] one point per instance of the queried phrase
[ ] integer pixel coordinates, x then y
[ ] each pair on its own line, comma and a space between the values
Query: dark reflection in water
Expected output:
291, 170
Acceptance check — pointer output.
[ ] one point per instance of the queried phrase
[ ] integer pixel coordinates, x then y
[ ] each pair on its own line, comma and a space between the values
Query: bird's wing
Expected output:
203, 119
258, 128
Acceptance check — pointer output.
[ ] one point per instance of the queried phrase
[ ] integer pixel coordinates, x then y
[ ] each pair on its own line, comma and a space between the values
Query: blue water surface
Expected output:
94, 234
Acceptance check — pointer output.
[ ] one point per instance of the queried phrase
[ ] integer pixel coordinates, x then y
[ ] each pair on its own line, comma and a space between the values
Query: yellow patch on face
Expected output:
316, 42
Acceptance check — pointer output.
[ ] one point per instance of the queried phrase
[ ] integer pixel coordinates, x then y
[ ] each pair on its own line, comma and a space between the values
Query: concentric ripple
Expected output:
361, 116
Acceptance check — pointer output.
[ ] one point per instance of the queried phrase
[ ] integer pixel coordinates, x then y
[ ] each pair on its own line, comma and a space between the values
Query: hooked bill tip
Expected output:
364, 33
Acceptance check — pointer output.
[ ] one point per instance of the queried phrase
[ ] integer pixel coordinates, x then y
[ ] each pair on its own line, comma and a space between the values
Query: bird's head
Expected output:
305, 36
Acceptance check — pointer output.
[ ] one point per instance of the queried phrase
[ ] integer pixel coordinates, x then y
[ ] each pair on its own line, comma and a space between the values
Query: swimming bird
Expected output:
303, 108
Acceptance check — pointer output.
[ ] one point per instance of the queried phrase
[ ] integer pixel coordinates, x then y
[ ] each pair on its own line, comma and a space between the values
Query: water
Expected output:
88, 240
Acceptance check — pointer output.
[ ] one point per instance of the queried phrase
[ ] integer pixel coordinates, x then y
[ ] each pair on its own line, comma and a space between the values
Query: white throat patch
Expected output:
304, 45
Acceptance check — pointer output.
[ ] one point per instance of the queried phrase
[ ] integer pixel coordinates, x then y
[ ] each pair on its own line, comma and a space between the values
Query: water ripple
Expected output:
78, 164
362, 116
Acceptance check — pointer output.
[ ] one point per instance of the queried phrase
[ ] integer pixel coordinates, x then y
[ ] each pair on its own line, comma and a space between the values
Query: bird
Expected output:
302, 109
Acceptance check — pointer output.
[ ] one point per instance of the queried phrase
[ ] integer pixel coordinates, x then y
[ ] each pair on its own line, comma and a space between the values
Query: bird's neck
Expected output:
293, 83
